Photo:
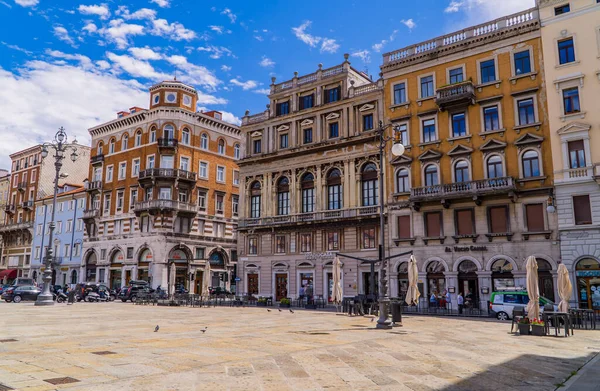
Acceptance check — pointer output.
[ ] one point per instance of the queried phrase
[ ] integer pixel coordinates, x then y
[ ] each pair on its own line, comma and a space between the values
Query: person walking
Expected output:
448, 300
461, 301
301, 293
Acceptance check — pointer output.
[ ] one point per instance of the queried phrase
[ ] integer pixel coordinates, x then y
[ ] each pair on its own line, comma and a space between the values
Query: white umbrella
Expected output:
565, 289
172, 278
533, 290
337, 283
412, 294
206, 280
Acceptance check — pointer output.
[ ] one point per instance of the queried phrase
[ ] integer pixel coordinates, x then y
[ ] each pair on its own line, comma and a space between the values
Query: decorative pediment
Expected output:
366, 107
332, 116
256, 134
430, 154
307, 122
283, 128
460, 150
492, 145
529, 138
401, 160
574, 127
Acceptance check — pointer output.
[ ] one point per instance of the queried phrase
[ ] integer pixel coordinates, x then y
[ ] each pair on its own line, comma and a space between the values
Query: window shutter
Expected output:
535, 217
464, 220
582, 210
576, 145
433, 224
404, 227
498, 223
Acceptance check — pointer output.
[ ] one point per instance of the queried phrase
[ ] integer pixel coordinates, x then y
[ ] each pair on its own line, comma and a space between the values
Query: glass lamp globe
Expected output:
398, 149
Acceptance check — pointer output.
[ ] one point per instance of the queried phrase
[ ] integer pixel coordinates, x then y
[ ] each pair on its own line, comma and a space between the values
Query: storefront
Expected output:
402, 280
116, 270
143, 270
545, 279
502, 275
468, 283
588, 283
436, 280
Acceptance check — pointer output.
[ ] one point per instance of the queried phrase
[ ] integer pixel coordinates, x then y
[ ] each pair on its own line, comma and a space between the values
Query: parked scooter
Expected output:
61, 297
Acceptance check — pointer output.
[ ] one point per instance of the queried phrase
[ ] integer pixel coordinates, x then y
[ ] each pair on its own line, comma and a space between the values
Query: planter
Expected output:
524, 329
261, 303
281, 305
538, 330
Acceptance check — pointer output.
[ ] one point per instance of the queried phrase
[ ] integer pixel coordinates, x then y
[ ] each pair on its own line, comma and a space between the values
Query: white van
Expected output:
502, 303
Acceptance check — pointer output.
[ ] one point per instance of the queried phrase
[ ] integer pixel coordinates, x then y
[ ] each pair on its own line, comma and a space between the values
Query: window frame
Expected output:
573, 51
454, 68
486, 165
498, 106
405, 89
425, 224
200, 169
456, 221
480, 62
513, 64
517, 110
405, 189
422, 121
563, 99
204, 139
468, 170
425, 175
507, 218
589, 203
420, 85
523, 160
526, 217
223, 171
465, 124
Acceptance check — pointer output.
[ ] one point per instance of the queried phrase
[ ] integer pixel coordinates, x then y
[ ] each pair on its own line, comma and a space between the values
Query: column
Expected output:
425, 294
319, 188
452, 281
346, 184
393, 284
485, 281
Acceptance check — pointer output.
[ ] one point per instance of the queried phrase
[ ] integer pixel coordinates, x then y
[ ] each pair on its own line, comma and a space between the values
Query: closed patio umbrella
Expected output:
172, 274
337, 283
412, 294
565, 289
206, 280
533, 290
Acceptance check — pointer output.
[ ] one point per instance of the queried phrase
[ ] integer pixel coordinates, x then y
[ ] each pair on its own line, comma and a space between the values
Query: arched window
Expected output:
370, 185
255, 200
204, 141
111, 146
283, 196
467, 267
402, 183
431, 175
185, 136
100, 148
461, 171
125, 143
308, 193
494, 167
221, 147
138, 138
502, 276
531, 164
169, 132
334, 189
236, 151
153, 135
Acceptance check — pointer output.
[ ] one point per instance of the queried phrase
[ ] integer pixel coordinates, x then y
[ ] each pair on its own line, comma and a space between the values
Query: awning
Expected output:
9, 273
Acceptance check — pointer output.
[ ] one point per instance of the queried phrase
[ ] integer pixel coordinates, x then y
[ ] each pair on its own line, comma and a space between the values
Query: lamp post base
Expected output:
43, 299
383, 323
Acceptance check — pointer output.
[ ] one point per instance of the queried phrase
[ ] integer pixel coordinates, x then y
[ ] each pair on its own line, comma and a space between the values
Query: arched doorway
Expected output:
144, 260
468, 282
90, 267
502, 276
545, 280
217, 266
252, 279
588, 283
116, 266
436, 280
402, 280
181, 258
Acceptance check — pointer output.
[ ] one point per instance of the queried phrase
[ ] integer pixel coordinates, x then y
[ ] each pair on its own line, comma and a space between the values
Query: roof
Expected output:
80, 189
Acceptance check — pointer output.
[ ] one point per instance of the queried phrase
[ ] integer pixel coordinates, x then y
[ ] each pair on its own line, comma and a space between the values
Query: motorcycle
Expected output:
60, 297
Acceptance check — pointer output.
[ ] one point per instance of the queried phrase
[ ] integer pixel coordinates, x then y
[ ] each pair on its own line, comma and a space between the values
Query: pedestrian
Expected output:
433, 300
461, 301
448, 300
309, 293
301, 293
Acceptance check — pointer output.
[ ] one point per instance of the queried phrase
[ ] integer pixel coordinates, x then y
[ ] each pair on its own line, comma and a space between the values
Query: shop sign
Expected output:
64, 269
319, 256
588, 273
462, 249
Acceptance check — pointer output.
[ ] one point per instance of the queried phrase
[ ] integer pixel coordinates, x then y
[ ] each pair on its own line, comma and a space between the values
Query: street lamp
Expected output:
59, 145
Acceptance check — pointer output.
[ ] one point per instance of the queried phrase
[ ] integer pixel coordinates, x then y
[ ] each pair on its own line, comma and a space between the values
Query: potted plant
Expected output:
285, 303
524, 325
261, 302
538, 327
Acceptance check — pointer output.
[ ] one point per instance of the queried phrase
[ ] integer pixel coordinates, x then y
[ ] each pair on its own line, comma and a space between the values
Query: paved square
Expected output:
253, 349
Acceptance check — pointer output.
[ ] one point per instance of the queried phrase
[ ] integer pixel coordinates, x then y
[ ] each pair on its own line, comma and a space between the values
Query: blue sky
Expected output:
76, 63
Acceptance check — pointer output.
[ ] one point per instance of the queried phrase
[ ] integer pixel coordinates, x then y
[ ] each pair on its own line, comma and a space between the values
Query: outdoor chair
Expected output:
518, 314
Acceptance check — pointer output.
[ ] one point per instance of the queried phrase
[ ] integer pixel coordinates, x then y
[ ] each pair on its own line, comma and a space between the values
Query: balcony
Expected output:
472, 189
27, 205
314, 217
455, 95
97, 159
89, 214
94, 186
151, 174
159, 206
167, 143
22, 186
16, 227
10, 209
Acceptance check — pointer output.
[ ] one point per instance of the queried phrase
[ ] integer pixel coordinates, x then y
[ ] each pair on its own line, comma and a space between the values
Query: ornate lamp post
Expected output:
59, 147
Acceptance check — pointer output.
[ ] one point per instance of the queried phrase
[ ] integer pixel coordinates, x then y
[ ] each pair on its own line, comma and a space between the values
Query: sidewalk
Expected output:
587, 377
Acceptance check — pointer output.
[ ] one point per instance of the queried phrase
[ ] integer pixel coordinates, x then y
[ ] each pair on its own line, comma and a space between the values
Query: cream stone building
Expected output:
571, 48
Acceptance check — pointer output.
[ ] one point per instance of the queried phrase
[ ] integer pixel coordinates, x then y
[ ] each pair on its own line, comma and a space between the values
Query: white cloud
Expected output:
142, 13
17, 48
227, 116
266, 62
454, 6
409, 23
378, 46
145, 53
232, 17
329, 46
61, 33
90, 28
119, 32
84, 61
216, 29
264, 91
479, 11
100, 10
135, 67
216, 52
103, 64
225, 68
246, 85
194, 74
175, 31
259, 38
161, 3
27, 3
364, 55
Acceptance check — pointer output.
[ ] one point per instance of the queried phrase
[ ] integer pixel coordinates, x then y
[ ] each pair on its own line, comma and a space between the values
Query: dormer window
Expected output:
562, 9
307, 101
282, 108
333, 94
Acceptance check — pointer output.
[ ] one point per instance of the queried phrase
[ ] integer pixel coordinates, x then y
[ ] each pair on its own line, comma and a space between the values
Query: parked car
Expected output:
19, 293
131, 291
502, 303
3, 288
22, 281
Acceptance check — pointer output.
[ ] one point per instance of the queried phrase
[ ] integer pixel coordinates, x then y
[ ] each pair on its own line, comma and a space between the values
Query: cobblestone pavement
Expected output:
253, 349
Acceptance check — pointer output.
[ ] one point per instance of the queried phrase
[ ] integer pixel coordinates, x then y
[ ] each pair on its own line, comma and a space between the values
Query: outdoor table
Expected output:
556, 318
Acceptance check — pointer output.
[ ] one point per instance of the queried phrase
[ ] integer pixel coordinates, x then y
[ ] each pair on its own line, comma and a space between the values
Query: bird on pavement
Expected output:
156, 328
203, 331
279, 309
268, 310
291, 311
372, 319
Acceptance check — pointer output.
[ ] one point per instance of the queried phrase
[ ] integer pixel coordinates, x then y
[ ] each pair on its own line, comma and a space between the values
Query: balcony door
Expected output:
167, 161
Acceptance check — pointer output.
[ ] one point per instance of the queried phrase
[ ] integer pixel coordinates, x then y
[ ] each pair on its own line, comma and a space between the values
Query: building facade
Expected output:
310, 186
4, 188
163, 189
571, 47
67, 243
472, 194
32, 178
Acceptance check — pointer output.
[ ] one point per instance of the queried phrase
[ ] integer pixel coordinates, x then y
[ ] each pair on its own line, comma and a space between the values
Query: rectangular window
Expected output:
133, 195
456, 75
202, 200
308, 136
402, 134
252, 246
459, 125
59, 227
368, 238
522, 62
236, 177
534, 213
122, 170
399, 93
307, 101
164, 193
199, 253
368, 122
184, 163
150, 162
219, 203
404, 227
280, 244
566, 51
183, 195
562, 9
109, 174
282, 108
167, 161
429, 130
426, 87
576, 154
69, 226
235, 204
488, 71
498, 219
135, 167
220, 174
334, 130
333, 241
526, 111
120, 198
185, 137
106, 204
148, 194
433, 224
255, 206
283, 141
203, 172
333, 94
582, 210
257, 146
464, 219
571, 100
67, 251
491, 118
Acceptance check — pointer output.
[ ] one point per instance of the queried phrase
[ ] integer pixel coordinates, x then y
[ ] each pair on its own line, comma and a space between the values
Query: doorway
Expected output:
127, 276
281, 281
367, 289
198, 282
545, 280
252, 284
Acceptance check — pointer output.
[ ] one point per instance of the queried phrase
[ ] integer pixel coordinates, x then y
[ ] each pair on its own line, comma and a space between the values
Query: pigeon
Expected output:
291, 311
372, 319
156, 328
279, 309
268, 310
203, 331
